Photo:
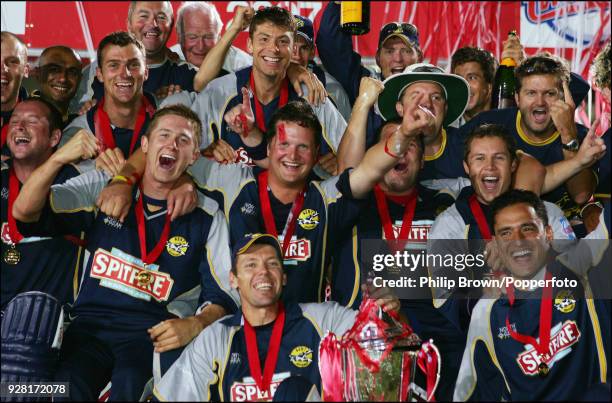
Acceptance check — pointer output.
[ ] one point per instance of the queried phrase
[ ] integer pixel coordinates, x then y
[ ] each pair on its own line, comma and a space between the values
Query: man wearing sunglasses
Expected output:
59, 73
543, 126
398, 48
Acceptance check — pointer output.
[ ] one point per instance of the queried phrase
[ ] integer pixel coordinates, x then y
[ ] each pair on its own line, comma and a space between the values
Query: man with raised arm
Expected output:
143, 277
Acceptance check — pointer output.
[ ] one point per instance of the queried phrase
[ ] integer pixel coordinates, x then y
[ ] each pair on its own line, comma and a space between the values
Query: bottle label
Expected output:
350, 12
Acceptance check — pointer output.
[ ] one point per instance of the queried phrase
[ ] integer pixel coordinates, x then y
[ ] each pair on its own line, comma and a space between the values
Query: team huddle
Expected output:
186, 224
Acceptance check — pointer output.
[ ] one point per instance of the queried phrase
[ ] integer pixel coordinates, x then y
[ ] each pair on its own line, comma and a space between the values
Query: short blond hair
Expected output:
182, 111
601, 68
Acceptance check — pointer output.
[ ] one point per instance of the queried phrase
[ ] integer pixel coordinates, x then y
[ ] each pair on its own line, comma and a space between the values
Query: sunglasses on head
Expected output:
536, 64
404, 26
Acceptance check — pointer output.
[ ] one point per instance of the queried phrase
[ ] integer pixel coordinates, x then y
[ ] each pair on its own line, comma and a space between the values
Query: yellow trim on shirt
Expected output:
440, 151
526, 138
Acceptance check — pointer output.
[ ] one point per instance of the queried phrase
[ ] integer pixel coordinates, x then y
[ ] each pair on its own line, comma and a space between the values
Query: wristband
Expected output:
122, 178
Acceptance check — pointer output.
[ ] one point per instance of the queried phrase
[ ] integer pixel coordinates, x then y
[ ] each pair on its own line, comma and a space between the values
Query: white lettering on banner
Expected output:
562, 338
560, 24
122, 275
247, 390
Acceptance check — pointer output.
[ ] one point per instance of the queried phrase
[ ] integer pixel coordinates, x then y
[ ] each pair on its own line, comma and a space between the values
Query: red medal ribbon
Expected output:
383, 211
266, 210
260, 120
481, 220
104, 131
545, 320
13, 192
263, 382
4, 134
151, 257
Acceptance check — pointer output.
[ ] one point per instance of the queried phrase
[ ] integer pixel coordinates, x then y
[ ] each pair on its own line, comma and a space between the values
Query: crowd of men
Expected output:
194, 219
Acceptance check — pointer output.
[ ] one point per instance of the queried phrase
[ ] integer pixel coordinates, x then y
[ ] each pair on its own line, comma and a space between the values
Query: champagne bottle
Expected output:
355, 17
504, 85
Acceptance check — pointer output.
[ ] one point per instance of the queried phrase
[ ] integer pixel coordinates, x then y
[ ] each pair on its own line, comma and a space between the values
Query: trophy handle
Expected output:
430, 362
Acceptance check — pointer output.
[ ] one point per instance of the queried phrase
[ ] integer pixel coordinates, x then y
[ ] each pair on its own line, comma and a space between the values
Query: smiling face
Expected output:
14, 69
59, 74
259, 277
292, 157
394, 56
200, 34
428, 95
523, 239
489, 166
29, 137
151, 23
123, 72
403, 176
170, 148
271, 46
534, 100
480, 90
303, 51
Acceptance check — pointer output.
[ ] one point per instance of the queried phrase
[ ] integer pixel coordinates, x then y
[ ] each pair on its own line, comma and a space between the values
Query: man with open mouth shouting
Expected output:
143, 278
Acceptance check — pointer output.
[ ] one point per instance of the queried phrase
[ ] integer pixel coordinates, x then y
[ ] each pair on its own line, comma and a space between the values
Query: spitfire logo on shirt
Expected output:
247, 390
561, 339
298, 250
242, 157
419, 231
119, 271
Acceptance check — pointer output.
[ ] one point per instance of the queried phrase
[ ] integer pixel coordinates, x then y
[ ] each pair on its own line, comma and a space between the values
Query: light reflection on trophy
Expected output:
378, 359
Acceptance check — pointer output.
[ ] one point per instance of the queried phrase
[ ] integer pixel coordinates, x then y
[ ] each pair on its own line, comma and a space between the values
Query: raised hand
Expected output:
562, 114
369, 90
240, 118
83, 145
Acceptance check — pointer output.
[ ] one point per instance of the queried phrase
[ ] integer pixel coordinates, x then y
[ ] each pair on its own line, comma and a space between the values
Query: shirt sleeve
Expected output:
336, 52
332, 122
330, 316
480, 377
74, 126
216, 266
70, 207
342, 208
194, 372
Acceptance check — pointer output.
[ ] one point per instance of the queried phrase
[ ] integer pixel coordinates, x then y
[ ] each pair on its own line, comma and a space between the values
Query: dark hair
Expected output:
60, 48
540, 65
132, 8
53, 114
276, 15
119, 38
490, 130
182, 111
298, 112
518, 196
398, 121
468, 54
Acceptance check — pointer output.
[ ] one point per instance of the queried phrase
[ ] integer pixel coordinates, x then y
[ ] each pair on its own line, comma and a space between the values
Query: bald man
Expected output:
14, 68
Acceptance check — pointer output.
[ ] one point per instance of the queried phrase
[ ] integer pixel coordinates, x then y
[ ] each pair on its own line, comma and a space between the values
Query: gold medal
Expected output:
144, 278
12, 256
543, 369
